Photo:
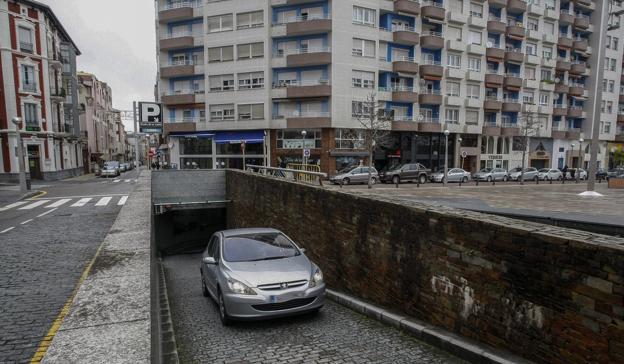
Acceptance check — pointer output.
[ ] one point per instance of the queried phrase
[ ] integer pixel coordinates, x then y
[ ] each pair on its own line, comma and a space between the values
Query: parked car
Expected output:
546, 174
407, 172
352, 175
601, 174
122, 167
454, 175
110, 169
583, 173
530, 173
615, 172
259, 273
491, 174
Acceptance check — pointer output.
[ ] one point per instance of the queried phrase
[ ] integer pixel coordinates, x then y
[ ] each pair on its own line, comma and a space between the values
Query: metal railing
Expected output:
433, 3
493, 98
303, 114
490, 123
396, 89
185, 62
432, 33
180, 34
286, 52
509, 124
183, 92
290, 83
182, 4
513, 74
493, 17
29, 87
513, 50
403, 59
431, 92
559, 106
294, 172
297, 19
511, 100
26, 47
431, 62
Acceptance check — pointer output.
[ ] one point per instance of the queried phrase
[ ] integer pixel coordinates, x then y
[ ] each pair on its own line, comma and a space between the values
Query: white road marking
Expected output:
59, 203
34, 204
117, 180
6, 230
15, 204
109, 194
127, 180
122, 201
47, 212
26, 222
81, 202
103, 201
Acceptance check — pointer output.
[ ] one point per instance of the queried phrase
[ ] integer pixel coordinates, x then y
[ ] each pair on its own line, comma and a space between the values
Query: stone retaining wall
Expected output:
550, 294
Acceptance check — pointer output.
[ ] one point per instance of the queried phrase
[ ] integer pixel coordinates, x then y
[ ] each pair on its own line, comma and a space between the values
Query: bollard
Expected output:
551, 180
340, 183
599, 180
460, 182
563, 181
418, 183
477, 182
493, 182
396, 185
537, 181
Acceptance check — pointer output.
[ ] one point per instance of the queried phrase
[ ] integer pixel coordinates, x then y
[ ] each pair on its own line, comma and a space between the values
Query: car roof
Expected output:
246, 231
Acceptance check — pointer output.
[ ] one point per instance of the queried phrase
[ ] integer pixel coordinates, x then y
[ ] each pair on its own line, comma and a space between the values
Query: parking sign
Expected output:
150, 118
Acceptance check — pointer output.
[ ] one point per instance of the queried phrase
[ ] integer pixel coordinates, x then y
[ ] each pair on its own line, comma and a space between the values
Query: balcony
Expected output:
516, 6
512, 81
566, 17
580, 45
585, 3
430, 125
308, 25
575, 112
431, 70
405, 35
560, 110
432, 10
565, 41
307, 88
578, 67
576, 89
307, 119
177, 40
562, 88
404, 65
492, 103
620, 117
57, 94
496, 25
495, 53
491, 129
177, 11
563, 65
430, 97
432, 40
619, 137
515, 31
621, 98
514, 55
404, 94
304, 57
511, 105
404, 124
493, 80
181, 97
407, 6
510, 129
558, 132
178, 69
573, 134
581, 21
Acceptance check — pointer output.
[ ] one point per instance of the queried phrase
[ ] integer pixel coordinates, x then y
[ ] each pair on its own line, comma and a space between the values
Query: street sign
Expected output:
306, 153
464, 154
150, 118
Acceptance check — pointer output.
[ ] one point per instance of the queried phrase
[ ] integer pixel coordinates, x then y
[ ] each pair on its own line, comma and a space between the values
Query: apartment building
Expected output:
37, 84
243, 79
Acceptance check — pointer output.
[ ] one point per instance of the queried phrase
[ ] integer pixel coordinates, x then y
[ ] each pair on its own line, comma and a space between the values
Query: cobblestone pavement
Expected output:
335, 335
40, 263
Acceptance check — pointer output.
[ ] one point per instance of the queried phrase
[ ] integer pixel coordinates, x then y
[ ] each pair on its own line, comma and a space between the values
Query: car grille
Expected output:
278, 286
298, 302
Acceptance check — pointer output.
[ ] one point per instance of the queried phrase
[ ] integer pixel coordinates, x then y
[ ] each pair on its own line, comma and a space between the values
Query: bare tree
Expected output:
376, 123
529, 126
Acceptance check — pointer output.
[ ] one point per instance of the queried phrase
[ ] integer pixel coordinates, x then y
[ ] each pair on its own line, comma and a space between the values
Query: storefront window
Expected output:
236, 148
195, 146
344, 162
469, 140
292, 139
349, 138
196, 163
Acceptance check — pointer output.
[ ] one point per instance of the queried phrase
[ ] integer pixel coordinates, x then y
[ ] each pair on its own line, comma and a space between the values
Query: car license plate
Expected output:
273, 299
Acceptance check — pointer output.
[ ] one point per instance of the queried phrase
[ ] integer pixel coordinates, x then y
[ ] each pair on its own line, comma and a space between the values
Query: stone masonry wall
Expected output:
550, 294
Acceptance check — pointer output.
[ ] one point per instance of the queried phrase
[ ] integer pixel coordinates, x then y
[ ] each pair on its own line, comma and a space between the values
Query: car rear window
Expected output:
256, 247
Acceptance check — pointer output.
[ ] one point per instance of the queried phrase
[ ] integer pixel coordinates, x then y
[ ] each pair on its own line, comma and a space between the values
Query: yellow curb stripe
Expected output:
41, 193
56, 325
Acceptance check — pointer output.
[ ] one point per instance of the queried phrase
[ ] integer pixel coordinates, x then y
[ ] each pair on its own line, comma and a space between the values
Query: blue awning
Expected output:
235, 137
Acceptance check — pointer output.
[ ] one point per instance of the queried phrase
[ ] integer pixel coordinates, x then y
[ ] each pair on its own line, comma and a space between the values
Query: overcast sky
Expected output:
118, 44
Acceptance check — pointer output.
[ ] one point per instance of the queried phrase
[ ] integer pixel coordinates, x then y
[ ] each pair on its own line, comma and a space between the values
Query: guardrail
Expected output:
288, 173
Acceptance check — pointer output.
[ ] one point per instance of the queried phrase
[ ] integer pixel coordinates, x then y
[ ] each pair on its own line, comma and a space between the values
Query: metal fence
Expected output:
296, 172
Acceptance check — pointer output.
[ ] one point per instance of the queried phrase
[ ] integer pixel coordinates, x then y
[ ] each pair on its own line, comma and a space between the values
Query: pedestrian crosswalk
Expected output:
119, 180
73, 202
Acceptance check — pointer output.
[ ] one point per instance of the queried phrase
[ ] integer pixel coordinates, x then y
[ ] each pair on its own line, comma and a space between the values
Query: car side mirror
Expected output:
209, 260
302, 250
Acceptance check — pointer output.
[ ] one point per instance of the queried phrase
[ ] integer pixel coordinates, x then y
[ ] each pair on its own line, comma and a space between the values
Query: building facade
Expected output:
37, 84
240, 80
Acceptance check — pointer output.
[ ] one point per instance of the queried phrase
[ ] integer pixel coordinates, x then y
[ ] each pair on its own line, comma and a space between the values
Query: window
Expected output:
615, 43
291, 139
250, 80
604, 85
452, 116
454, 60
252, 19
613, 60
30, 114
220, 23
543, 99
473, 91
474, 37
28, 78
608, 41
251, 112
364, 16
602, 106
611, 86
25, 39
221, 83
606, 128
529, 73
363, 79
546, 75
456, 6
531, 49
220, 54
472, 117
606, 66
474, 64
454, 33
476, 10
547, 52
360, 108
549, 28
363, 47
250, 50
452, 88
533, 24
609, 107
349, 139
528, 97
222, 112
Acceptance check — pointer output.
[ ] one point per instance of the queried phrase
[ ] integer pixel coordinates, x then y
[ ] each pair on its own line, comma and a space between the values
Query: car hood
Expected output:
272, 271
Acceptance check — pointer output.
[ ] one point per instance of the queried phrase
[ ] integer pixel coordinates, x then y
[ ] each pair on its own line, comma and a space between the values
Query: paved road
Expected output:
335, 335
45, 245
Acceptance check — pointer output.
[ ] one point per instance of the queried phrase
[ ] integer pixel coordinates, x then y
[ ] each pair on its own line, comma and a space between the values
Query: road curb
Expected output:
461, 347
31, 194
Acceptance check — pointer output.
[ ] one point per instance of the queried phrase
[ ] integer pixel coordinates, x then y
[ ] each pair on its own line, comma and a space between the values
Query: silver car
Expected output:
582, 176
454, 175
353, 175
546, 174
491, 174
530, 174
259, 273
110, 169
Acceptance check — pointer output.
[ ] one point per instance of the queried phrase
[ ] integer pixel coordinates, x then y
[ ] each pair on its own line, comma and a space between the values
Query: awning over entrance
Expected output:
233, 137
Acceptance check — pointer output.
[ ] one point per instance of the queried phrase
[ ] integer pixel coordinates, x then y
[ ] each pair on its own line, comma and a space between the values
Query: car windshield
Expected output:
516, 170
486, 170
395, 168
347, 170
256, 247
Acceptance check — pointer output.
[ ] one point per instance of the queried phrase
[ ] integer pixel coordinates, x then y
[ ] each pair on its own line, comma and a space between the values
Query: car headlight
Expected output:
317, 278
239, 287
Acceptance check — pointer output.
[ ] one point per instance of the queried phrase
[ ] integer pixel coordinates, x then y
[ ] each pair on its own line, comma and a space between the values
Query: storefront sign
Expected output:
297, 143
495, 157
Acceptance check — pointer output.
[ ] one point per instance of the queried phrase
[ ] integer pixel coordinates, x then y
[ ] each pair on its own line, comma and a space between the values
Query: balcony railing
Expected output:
180, 34
182, 4
290, 83
493, 98
183, 92
513, 50
431, 92
558, 127
559, 106
513, 74
430, 119
195, 119
32, 127
26, 47
582, 16
576, 84
403, 59
509, 124
402, 118
431, 62
29, 87
432, 33
303, 114
493, 17
297, 19
511, 100
575, 107
566, 11
184, 62
490, 123
396, 89
287, 52
398, 28
433, 3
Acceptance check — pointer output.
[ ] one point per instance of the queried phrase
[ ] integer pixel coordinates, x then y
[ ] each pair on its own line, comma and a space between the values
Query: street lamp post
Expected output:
459, 140
571, 157
20, 155
303, 148
445, 178
578, 169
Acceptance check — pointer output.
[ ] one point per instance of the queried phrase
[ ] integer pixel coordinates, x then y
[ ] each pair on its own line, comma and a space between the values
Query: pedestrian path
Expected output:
74, 202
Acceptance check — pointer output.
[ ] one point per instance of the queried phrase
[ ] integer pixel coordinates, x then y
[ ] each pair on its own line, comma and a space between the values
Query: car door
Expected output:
362, 176
210, 270
413, 172
453, 175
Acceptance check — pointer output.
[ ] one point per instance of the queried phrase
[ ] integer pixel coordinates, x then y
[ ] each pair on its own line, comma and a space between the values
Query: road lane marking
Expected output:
81, 202
26, 222
108, 194
34, 204
7, 230
103, 201
47, 212
117, 180
15, 204
59, 203
127, 181
122, 201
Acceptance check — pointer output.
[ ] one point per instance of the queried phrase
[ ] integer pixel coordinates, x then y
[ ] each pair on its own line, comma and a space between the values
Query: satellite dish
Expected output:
421, 117
489, 44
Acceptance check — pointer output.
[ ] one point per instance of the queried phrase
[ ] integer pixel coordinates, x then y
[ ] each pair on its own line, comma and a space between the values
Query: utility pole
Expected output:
136, 134
20, 156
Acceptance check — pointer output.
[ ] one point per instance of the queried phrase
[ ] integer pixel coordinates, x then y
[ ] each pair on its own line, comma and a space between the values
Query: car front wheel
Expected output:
489, 179
465, 180
345, 181
504, 178
422, 179
225, 320
396, 180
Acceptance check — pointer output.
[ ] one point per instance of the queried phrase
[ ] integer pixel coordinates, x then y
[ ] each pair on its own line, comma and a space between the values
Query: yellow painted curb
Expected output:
42, 193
